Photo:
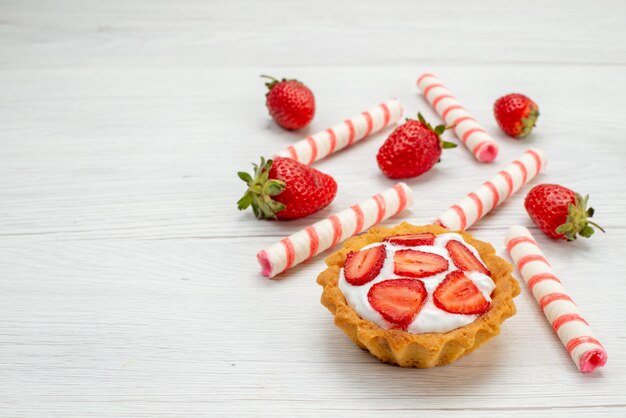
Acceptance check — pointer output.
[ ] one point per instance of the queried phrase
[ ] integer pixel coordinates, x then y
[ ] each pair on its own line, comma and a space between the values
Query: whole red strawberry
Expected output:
560, 212
412, 149
516, 114
291, 103
286, 189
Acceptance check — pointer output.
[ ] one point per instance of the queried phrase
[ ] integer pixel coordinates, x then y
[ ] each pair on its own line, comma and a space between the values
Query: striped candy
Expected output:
322, 144
493, 192
324, 234
556, 304
482, 146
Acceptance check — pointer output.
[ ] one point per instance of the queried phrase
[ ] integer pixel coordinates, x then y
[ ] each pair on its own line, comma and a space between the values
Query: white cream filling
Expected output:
430, 318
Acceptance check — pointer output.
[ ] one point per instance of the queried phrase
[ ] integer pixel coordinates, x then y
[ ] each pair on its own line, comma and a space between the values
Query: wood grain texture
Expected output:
128, 280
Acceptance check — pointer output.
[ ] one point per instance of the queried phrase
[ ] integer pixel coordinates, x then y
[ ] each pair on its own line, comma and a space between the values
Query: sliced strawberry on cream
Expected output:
363, 266
458, 294
415, 263
398, 301
431, 264
412, 240
464, 259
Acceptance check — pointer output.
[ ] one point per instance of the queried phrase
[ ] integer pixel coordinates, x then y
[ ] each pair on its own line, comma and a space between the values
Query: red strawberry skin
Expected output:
398, 301
458, 294
412, 149
464, 259
414, 263
363, 266
547, 206
412, 240
307, 190
516, 114
290, 103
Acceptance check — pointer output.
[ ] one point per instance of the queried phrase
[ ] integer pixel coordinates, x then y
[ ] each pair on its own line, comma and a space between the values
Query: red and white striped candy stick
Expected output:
325, 234
322, 144
482, 146
556, 304
493, 192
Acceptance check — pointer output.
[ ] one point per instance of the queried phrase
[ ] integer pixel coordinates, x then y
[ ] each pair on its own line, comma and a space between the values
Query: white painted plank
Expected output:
69, 34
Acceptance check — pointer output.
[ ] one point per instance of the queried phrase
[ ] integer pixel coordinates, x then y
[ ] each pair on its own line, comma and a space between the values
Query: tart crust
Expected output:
426, 349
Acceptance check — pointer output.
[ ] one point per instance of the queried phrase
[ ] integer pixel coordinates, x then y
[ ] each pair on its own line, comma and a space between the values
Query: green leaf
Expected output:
572, 209
587, 231
245, 201
255, 209
562, 229
270, 83
273, 190
272, 205
447, 145
245, 177
590, 212
276, 206
265, 209
421, 118
439, 129
274, 187
264, 176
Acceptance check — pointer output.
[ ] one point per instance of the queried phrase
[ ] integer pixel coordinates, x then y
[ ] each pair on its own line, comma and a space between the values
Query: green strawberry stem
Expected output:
260, 191
273, 81
438, 130
577, 222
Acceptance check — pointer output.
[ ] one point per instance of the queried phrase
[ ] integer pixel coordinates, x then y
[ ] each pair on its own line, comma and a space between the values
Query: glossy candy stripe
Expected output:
493, 192
473, 136
348, 132
320, 236
555, 302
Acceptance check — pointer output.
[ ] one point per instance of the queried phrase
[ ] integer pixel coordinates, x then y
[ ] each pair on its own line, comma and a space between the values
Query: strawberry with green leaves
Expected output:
516, 114
560, 212
286, 189
412, 149
290, 103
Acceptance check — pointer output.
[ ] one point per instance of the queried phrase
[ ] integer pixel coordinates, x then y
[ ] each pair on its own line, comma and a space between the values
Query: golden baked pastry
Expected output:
427, 349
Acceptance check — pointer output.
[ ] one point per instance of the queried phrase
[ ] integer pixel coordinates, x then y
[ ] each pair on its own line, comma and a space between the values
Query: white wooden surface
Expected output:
128, 280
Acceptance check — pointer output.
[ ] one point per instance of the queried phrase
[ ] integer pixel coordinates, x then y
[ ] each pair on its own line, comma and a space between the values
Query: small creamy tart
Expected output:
430, 318
429, 335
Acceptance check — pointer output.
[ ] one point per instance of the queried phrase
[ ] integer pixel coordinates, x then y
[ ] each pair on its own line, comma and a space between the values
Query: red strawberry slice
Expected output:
398, 301
414, 263
464, 259
458, 294
412, 240
363, 266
